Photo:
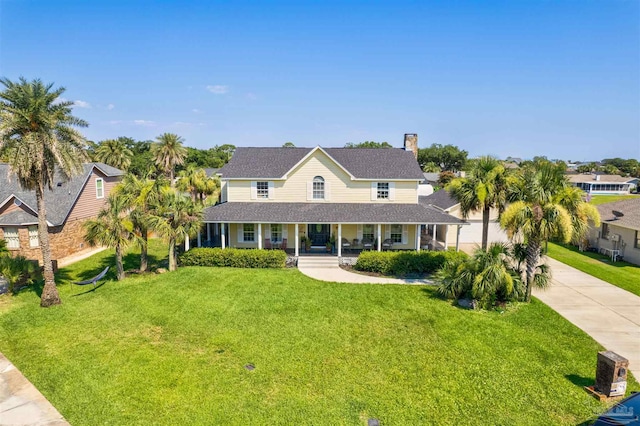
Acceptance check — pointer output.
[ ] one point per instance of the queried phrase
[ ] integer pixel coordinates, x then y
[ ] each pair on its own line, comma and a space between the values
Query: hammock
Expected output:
93, 280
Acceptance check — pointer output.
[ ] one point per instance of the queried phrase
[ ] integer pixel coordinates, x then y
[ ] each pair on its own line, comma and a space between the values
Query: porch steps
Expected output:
314, 262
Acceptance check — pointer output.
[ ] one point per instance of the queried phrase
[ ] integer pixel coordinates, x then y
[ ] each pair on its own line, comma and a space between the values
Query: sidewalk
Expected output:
21, 403
610, 315
326, 268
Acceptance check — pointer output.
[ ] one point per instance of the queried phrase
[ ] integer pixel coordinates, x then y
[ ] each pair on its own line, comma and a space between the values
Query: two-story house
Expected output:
273, 195
69, 204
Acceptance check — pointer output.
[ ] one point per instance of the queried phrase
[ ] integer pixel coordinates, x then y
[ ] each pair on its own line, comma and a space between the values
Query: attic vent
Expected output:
17, 202
59, 184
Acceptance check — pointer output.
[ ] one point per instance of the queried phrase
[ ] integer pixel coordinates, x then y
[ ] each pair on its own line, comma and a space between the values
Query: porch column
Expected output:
186, 242
458, 238
259, 236
435, 239
379, 237
446, 236
339, 240
209, 232
297, 245
417, 237
199, 239
222, 238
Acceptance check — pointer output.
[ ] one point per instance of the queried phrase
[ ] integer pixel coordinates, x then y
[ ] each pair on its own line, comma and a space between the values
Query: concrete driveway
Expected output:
610, 315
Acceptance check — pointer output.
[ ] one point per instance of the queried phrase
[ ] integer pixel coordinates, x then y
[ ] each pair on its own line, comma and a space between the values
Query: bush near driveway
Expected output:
404, 262
234, 258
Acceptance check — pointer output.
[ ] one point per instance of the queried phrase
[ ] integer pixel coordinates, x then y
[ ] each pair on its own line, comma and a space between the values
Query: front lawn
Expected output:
621, 274
172, 349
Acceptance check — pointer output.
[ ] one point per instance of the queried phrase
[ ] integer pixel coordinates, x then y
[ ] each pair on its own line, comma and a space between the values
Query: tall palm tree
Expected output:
168, 152
115, 153
37, 131
535, 216
175, 218
112, 229
139, 195
484, 188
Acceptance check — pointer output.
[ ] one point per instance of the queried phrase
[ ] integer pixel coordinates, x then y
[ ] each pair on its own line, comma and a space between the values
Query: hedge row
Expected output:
234, 258
404, 262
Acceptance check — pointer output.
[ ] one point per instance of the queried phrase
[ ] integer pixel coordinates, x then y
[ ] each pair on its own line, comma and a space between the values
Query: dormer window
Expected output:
99, 188
318, 188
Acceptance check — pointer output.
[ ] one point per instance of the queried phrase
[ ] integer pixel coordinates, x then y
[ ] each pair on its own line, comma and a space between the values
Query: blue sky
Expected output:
518, 78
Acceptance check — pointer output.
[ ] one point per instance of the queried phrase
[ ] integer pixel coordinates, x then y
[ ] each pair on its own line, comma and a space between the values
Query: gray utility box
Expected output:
611, 374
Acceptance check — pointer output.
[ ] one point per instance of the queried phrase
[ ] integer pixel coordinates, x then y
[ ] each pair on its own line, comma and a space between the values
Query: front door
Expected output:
319, 233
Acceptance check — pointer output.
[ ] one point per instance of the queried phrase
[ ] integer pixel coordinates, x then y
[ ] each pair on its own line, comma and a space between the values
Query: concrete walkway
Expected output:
326, 268
21, 403
610, 315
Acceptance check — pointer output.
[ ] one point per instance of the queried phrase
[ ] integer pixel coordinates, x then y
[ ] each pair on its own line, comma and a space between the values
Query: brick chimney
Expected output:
411, 143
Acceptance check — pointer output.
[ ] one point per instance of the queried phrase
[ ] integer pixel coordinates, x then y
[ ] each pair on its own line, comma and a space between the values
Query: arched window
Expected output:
318, 188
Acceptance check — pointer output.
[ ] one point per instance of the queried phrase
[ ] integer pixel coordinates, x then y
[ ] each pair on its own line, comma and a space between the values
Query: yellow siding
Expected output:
341, 188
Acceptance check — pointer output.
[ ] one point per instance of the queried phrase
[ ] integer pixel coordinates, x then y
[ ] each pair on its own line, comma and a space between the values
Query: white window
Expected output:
383, 190
12, 238
368, 232
248, 232
99, 188
33, 236
318, 188
262, 189
396, 233
276, 232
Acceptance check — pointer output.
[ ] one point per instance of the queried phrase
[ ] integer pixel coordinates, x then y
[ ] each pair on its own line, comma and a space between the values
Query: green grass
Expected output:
171, 349
603, 199
621, 274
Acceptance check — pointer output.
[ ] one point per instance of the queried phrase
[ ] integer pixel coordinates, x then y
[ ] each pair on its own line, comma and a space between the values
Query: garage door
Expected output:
472, 233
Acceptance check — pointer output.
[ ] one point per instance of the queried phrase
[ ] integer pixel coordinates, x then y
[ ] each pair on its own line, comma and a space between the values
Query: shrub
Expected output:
406, 262
234, 258
18, 271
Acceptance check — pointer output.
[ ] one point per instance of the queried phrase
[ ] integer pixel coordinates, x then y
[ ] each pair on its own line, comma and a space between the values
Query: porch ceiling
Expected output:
269, 212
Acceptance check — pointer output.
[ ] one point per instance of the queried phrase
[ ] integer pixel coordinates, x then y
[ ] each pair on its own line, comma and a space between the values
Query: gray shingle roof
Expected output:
327, 213
630, 208
441, 199
59, 200
262, 162
363, 163
602, 178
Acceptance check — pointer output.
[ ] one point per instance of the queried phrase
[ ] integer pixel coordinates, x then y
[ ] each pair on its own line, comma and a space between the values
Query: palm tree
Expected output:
168, 152
582, 214
115, 153
175, 217
196, 182
112, 229
536, 216
37, 132
484, 188
486, 275
139, 195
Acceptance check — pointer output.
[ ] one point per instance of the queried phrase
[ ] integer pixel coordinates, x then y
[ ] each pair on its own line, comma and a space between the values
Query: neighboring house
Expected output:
620, 230
594, 183
272, 194
471, 234
68, 205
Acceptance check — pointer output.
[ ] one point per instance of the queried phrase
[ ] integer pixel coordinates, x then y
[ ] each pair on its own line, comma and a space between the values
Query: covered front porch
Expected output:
342, 228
